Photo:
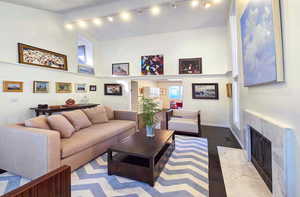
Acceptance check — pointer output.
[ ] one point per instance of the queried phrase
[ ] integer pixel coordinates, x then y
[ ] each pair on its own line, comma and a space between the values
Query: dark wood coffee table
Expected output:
140, 157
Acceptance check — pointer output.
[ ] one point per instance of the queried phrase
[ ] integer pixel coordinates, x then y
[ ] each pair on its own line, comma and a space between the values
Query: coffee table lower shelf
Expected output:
138, 168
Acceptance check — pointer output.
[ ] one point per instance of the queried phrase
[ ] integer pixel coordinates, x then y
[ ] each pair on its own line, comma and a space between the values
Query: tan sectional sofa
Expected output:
32, 152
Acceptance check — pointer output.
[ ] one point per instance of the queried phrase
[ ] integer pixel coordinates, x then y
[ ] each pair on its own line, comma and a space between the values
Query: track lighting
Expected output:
97, 21
125, 16
155, 10
195, 3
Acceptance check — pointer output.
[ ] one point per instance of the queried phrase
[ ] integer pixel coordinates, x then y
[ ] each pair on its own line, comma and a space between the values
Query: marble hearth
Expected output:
279, 134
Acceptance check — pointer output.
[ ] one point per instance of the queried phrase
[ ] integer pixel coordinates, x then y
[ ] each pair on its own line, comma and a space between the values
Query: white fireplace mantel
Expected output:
280, 136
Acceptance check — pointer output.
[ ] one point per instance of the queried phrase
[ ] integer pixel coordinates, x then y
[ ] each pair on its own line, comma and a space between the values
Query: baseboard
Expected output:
236, 137
215, 125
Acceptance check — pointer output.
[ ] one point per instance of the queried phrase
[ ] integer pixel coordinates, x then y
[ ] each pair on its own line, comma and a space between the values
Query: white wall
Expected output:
279, 101
209, 43
41, 29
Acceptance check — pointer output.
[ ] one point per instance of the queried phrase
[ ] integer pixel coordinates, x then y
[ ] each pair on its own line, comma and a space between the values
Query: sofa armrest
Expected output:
126, 115
29, 152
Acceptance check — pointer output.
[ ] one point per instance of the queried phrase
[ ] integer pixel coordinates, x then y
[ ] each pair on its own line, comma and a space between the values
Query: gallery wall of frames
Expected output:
44, 87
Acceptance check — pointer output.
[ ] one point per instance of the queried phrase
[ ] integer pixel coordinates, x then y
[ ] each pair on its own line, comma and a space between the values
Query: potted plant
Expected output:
150, 108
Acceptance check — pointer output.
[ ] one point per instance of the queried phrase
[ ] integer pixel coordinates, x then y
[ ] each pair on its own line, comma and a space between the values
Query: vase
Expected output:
150, 130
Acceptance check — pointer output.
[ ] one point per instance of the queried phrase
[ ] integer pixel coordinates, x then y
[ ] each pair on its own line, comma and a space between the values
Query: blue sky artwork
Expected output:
258, 42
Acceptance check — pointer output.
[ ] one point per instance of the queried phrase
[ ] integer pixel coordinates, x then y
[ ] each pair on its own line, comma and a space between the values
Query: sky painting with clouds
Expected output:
258, 42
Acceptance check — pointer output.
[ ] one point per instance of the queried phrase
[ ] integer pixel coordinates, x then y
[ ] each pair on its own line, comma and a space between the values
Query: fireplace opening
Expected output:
261, 156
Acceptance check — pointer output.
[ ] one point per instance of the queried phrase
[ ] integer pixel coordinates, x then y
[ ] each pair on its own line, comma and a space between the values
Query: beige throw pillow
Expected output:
78, 119
40, 122
110, 113
61, 124
97, 114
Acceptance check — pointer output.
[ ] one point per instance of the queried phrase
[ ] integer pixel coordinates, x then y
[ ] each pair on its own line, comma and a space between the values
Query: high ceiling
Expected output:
170, 20
59, 6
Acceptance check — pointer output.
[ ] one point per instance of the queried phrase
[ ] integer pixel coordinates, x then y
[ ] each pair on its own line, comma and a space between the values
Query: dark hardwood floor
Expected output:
217, 136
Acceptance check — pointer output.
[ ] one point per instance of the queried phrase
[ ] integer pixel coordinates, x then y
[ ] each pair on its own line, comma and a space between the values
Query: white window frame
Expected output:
89, 51
235, 66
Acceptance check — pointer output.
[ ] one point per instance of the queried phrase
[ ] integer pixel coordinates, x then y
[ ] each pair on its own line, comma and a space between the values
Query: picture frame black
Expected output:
211, 91
113, 90
123, 69
93, 88
190, 66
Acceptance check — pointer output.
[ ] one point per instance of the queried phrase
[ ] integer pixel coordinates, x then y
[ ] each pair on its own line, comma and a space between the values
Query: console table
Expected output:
61, 108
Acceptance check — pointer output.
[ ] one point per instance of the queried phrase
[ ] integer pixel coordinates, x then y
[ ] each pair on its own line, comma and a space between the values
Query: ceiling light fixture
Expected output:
195, 3
217, 1
110, 19
69, 26
125, 16
97, 21
155, 10
207, 5
82, 24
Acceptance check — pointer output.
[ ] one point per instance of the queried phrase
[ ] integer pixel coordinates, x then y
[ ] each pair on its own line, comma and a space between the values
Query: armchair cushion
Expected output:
183, 124
185, 114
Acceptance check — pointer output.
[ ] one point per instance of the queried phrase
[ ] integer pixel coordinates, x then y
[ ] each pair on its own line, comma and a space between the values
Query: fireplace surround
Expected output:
280, 137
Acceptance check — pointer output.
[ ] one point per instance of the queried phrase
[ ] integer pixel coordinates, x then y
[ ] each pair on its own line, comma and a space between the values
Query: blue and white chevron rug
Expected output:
185, 175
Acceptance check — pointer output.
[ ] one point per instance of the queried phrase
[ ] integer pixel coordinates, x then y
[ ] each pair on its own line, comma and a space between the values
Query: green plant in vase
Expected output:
150, 108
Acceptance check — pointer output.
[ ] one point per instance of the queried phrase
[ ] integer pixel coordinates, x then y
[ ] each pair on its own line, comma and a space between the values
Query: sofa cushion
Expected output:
61, 124
95, 134
97, 114
78, 119
110, 113
40, 122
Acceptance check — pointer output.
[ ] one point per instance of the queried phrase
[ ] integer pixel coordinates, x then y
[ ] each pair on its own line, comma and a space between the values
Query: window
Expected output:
175, 92
84, 52
82, 60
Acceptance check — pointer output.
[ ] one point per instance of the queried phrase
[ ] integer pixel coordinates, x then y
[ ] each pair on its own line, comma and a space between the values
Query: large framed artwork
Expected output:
62, 87
12, 86
205, 90
41, 57
190, 66
120, 69
153, 65
262, 43
113, 89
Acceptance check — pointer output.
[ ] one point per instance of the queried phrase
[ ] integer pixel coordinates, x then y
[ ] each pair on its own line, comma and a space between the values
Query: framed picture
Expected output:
120, 69
62, 87
262, 43
190, 66
86, 70
80, 88
12, 86
41, 57
153, 65
93, 88
40, 87
113, 89
229, 89
205, 91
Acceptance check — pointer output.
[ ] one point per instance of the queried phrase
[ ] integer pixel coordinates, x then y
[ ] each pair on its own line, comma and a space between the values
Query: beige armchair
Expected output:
184, 122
